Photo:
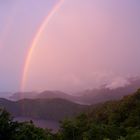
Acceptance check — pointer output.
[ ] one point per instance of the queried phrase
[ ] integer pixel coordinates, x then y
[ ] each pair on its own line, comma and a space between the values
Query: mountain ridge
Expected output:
55, 109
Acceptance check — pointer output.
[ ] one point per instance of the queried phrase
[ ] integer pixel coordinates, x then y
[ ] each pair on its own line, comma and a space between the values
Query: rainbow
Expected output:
35, 42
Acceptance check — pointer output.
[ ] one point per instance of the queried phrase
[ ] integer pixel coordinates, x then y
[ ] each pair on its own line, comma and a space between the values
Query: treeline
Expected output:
114, 120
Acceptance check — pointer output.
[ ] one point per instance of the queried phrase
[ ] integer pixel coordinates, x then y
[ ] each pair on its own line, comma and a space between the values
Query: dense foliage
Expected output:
11, 130
114, 120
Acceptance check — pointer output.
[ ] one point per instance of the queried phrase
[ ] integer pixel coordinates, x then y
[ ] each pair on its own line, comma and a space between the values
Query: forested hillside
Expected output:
113, 120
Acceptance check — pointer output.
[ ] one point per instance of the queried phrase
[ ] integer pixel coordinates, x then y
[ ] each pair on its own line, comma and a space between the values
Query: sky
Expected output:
85, 44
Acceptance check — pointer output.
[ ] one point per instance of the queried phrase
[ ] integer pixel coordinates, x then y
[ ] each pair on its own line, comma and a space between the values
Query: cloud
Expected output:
118, 82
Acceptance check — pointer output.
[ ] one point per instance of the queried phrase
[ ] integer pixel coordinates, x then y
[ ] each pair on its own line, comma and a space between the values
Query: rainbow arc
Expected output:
35, 42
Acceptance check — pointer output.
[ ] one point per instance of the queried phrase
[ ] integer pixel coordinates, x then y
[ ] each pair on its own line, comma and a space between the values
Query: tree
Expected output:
11, 130
7, 126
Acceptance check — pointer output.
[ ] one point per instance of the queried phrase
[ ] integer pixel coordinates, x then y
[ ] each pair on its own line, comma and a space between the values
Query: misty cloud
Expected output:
117, 83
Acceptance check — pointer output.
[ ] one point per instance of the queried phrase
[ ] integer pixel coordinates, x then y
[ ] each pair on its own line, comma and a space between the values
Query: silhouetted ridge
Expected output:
56, 109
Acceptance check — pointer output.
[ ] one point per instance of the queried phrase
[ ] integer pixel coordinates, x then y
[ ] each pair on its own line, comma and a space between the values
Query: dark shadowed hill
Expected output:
54, 109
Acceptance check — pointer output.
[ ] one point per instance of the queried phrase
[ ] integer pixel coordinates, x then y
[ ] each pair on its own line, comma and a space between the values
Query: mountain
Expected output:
43, 95
124, 112
112, 120
53, 109
22, 95
105, 94
86, 97
56, 94
5, 94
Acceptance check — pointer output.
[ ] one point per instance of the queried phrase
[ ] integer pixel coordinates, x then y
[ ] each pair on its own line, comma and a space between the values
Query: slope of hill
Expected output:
112, 120
56, 94
54, 109
22, 95
105, 94
85, 97
124, 112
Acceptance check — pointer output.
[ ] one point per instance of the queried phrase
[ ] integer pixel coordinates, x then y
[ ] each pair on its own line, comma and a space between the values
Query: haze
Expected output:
86, 44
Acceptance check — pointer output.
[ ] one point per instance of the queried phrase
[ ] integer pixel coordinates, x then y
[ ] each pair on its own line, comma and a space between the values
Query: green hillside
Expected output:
113, 120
